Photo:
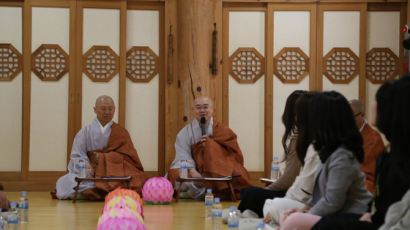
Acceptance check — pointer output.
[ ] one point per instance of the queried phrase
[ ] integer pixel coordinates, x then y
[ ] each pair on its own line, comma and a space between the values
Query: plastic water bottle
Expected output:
183, 167
217, 214
12, 217
1, 221
209, 202
23, 208
81, 168
233, 219
261, 226
274, 173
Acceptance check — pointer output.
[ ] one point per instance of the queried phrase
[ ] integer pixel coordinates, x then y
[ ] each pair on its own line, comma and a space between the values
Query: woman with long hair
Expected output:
391, 115
301, 190
339, 184
253, 198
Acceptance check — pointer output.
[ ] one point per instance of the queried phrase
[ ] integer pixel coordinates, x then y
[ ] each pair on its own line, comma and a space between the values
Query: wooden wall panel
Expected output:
246, 101
101, 27
49, 99
142, 98
291, 29
11, 22
381, 34
342, 29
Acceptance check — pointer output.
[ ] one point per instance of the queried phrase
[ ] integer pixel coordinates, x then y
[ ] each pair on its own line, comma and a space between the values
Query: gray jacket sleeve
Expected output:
398, 215
340, 175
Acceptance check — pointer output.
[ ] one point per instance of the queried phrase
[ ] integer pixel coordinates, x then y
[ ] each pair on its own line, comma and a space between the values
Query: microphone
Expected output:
203, 127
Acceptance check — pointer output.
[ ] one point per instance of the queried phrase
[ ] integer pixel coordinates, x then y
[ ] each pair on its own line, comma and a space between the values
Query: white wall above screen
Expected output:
381, 33
291, 29
246, 101
49, 100
142, 98
342, 29
11, 94
100, 27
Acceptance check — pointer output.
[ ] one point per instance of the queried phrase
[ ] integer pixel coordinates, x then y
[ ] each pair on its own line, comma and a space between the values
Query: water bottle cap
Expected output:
209, 190
184, 156
217, 199
275, 158
233, 208
261, 225
12, 204
23, 193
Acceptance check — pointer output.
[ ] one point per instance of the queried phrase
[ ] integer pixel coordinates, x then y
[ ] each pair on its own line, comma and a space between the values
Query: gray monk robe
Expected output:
91, 137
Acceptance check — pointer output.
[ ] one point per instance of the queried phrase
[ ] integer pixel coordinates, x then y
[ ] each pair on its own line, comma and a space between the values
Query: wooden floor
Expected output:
45, 213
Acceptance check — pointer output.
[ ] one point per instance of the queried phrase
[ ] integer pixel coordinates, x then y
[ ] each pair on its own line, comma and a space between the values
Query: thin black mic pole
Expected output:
203, 128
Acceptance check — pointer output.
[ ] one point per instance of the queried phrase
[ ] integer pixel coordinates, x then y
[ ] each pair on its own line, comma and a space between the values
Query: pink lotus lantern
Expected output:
123, 202
120, 219
121, 224
157, 190
123, 192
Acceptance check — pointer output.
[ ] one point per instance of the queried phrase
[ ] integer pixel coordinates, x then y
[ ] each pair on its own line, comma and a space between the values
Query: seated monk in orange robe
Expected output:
372, 143
211, 150
107, 149
118, 159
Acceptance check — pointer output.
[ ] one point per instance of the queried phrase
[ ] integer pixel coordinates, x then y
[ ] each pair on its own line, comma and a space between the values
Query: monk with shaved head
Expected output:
108, 151
211, 150
372, 143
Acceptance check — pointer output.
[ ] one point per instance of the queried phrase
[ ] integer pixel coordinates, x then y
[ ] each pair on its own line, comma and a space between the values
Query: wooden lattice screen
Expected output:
142, 64
247, 65
49, 62
291, 65
381, 65
340, 65
11, 62
101, 63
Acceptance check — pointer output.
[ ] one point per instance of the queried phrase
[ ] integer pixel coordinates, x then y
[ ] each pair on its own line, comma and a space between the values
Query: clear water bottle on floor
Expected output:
12, 217
23, 208
261, 226
1, 221
275, 170
81, 168
217, 214
233, 219
183, 166
209, 202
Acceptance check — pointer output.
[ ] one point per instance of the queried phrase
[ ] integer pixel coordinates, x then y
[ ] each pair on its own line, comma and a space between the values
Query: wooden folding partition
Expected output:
316, 58
75, 62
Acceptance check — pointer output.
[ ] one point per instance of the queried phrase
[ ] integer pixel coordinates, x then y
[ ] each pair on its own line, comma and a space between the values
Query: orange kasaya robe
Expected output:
372, 146
219, 156
118, 159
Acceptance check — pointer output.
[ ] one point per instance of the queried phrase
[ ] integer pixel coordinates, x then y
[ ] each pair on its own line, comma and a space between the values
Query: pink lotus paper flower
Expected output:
157, 190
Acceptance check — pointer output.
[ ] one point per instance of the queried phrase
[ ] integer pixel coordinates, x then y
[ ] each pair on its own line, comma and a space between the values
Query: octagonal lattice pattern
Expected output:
247, 65
49, 62
10, 62
142, 64
381, 65
291, 65
340, 65
100, 63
